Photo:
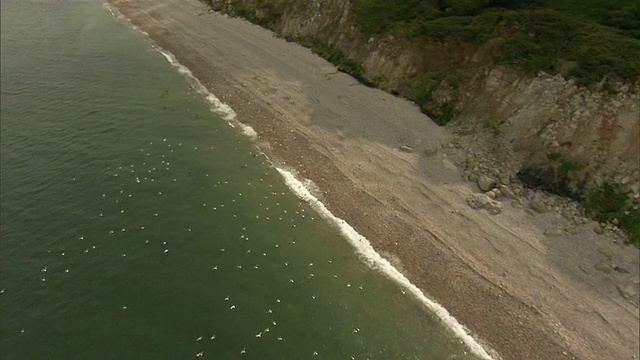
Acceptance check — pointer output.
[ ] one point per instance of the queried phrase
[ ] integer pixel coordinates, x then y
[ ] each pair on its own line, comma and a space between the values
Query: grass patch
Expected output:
423, 86
567, 165
554, 156
608, 203
335, 56
441, 112
341, 61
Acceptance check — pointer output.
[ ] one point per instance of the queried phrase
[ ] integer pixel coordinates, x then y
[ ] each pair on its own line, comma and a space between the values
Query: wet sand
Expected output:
519, 293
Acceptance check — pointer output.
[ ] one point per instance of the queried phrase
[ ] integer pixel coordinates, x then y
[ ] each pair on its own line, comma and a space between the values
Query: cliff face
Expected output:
552, 133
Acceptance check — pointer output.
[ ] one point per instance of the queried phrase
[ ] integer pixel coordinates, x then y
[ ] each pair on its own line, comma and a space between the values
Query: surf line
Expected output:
361, 245
377, 262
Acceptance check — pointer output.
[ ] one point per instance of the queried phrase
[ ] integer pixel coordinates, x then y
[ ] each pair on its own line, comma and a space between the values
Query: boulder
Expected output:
406, 148
627, 292
431, 151
485, 183
506, 191
538, 206
482, 201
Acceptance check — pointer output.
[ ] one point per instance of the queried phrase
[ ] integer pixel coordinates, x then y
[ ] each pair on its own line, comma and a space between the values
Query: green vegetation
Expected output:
584, 40
608, 203
568, 165
336, 56
554, 156
422, 89
563, 165
424, 85
339, 59
441, 112
268, 15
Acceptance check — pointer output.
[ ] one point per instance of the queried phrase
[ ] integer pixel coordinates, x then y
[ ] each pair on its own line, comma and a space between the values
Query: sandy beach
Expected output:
521, 294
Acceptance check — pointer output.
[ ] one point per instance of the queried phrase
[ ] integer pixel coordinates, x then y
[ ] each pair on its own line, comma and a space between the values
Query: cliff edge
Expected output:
541, 98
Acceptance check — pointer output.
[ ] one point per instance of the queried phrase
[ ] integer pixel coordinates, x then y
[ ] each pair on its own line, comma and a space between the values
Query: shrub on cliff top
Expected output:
600, 37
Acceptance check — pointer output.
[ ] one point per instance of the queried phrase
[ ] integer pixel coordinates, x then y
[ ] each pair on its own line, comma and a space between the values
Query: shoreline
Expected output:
408, 208
360, 244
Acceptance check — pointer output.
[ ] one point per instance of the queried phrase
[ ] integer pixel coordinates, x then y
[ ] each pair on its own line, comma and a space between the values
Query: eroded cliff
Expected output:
543, 129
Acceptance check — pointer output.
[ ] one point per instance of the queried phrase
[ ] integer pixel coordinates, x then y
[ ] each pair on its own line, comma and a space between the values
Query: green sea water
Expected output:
137, 224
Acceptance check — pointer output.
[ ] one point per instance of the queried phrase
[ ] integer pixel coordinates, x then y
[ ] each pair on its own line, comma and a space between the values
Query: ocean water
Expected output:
137, 224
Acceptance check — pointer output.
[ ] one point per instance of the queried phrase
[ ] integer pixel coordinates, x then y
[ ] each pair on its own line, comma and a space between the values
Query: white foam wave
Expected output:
116, 13
218, 107
368, 254
215, 105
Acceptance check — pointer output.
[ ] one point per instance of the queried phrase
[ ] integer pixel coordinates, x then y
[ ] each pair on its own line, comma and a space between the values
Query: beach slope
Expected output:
519, 292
